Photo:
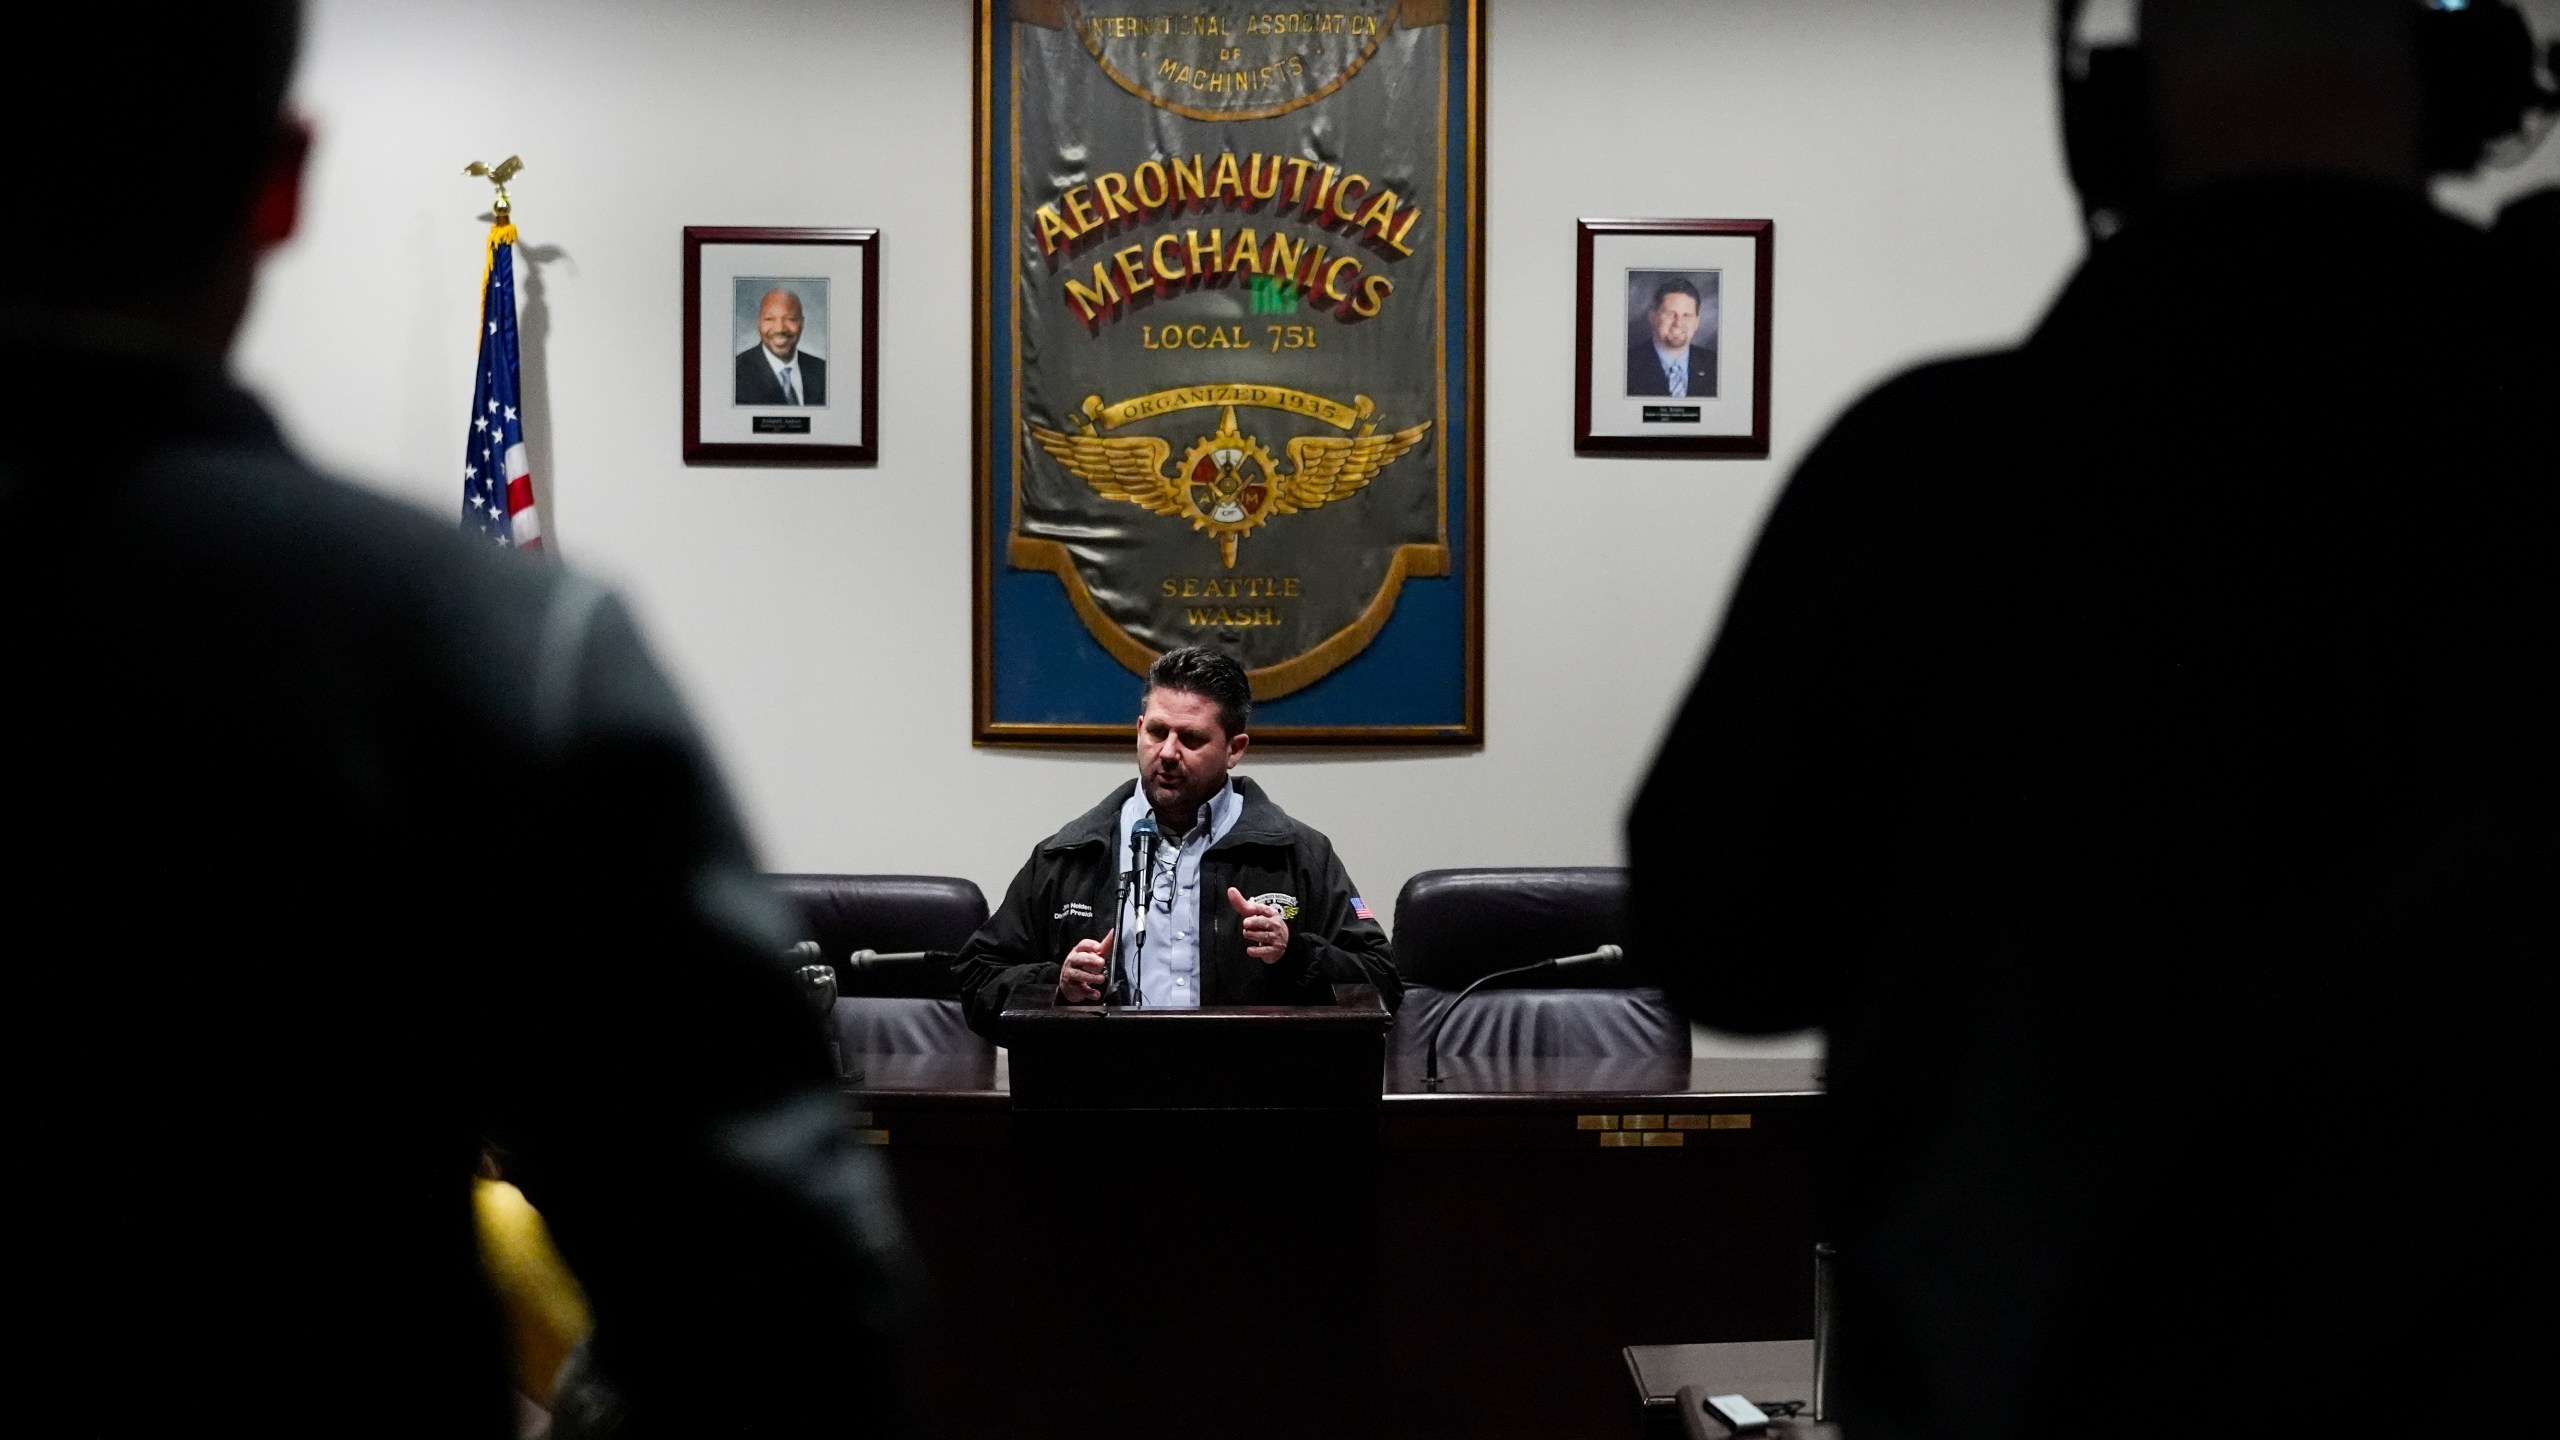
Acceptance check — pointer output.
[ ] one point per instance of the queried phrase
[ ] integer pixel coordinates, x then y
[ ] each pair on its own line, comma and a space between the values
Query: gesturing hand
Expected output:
1081, 974
1266, 935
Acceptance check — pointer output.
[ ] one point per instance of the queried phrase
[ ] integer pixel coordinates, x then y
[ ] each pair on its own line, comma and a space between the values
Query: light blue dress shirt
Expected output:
1169, 961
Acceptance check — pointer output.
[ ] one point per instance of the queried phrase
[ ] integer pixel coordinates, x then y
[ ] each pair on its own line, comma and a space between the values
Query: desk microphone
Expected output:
1121, 987
1605, 955
876, 960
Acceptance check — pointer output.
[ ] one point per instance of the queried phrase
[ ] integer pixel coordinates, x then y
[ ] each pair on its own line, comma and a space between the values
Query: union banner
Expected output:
1227, 386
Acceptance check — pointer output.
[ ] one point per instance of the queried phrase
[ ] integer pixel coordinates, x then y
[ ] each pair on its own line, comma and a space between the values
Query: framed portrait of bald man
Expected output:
778, 324
1672, 354
781, 346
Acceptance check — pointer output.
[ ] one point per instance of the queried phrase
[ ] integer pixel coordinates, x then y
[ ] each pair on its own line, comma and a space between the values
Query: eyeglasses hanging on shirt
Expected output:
1160, 892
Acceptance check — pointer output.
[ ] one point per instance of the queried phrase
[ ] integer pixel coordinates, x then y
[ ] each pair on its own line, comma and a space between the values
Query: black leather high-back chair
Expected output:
906, 1008
1454, 927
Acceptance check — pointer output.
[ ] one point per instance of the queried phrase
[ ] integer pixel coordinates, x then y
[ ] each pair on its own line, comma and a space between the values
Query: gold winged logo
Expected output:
1227, 485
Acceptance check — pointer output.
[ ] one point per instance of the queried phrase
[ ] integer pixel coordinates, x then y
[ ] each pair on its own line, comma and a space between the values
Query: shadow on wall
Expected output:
533, 343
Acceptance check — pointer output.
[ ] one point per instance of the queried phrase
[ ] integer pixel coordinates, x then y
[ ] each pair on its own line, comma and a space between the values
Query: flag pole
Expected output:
497, 472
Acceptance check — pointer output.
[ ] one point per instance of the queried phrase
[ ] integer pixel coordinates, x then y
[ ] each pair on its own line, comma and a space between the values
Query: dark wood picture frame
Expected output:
1751, 445
865, 450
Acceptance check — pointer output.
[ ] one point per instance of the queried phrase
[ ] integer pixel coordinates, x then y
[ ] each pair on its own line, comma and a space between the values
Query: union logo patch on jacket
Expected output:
1287, 905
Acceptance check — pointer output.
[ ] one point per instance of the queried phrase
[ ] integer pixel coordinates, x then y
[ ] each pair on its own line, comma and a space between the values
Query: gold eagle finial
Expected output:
498, 175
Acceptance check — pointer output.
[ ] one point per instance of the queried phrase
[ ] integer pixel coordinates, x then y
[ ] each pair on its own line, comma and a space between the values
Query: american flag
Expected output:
497, 483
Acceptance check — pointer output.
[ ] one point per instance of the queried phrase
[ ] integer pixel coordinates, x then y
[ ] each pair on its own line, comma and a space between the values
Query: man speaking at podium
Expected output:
1204, 891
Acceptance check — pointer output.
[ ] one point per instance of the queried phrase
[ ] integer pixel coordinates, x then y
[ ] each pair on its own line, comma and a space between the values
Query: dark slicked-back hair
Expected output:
1210, 674
1676, 286
144, 135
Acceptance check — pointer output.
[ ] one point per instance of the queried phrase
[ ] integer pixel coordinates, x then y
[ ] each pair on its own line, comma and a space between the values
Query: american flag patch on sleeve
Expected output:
1360, 908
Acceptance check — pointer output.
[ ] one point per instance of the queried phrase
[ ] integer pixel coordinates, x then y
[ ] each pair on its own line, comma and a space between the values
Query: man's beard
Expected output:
1170, 793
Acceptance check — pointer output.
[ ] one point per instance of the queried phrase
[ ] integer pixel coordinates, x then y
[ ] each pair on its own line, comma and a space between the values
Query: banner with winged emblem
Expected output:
1227, 371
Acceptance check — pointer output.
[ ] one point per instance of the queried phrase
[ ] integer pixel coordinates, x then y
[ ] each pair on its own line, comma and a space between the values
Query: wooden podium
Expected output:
1193, 1201
1223, 1058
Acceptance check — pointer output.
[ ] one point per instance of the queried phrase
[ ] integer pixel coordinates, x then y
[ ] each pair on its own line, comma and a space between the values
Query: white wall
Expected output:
819, 621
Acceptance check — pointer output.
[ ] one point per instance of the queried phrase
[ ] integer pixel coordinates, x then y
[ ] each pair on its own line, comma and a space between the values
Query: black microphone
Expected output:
1130, 945
1605, 955
1823, 1255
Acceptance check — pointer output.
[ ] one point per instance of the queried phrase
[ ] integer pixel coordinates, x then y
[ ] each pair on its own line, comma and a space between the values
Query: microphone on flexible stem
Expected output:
1605, 955
1119, 984
1133, 976
861, 960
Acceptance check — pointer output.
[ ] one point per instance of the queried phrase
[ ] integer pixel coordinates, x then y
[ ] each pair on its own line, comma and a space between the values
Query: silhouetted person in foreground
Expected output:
2136, 751
341, 844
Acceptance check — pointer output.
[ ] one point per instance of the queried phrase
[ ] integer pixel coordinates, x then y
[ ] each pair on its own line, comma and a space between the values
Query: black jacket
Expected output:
1067, 890
758, 385
1645, 377
345, 844
2136, 751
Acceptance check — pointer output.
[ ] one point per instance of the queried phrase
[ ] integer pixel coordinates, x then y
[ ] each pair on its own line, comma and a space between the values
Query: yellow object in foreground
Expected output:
546, 1311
